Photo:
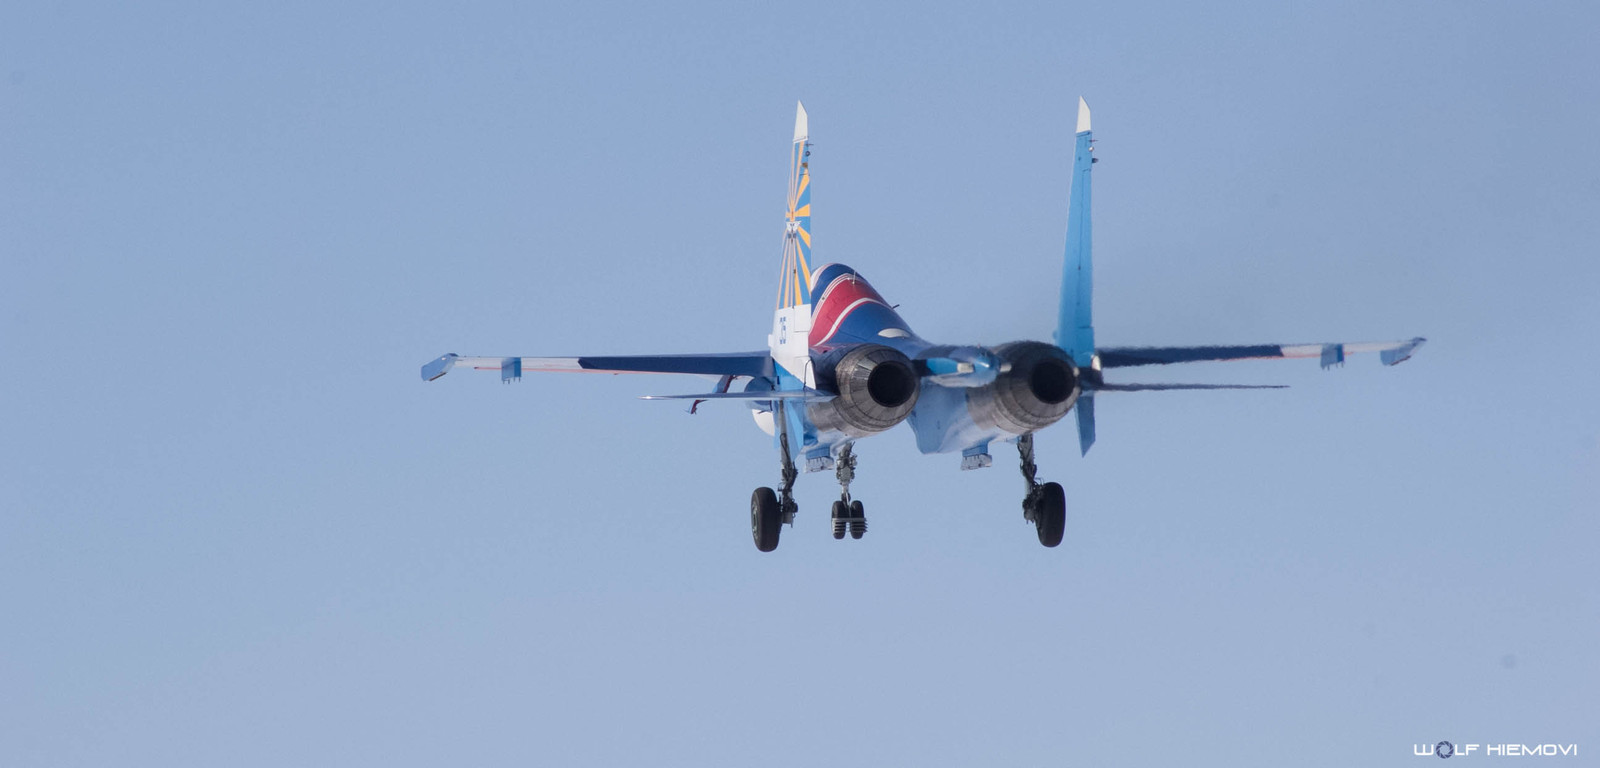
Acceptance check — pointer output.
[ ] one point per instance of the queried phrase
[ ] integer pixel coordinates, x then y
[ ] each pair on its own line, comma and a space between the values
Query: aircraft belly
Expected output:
943, 425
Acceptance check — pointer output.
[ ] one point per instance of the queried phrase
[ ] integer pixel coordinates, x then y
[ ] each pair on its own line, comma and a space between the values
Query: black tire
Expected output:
765, 520
858, 527
1052, 514
839, 511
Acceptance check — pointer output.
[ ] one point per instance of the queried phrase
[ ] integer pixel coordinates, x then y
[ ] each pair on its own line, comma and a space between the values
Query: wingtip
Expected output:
439, 366
1083, 115
801, 129
1402, 353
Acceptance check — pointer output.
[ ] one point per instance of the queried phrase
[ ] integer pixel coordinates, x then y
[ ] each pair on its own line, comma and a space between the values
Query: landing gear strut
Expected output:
847, 513
1046, 504
769, 510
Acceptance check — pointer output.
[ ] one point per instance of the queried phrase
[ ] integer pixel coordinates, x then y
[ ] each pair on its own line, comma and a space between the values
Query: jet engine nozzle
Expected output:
1038, 385
876, 385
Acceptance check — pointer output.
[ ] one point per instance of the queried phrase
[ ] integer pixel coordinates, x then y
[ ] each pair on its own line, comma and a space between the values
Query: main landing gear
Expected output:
847, 513
769, 510
1045, 505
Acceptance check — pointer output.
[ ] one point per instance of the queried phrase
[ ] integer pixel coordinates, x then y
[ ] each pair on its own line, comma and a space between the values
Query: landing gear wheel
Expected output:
1051, 516
858, 525
840, 511
1045, 505
766, 519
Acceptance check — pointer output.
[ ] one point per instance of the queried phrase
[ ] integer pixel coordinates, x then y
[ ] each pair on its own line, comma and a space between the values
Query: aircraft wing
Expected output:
511, 368
1390, 352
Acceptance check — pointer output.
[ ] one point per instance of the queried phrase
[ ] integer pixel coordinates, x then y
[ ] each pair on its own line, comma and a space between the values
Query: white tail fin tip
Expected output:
801, 131
1083, 115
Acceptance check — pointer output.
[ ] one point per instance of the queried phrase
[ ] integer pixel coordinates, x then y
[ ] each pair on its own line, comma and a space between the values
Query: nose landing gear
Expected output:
847, 514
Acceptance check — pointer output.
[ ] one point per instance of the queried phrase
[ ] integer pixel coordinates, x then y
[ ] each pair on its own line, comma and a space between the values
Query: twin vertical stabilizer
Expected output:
791, 323
790, 342
1075, 324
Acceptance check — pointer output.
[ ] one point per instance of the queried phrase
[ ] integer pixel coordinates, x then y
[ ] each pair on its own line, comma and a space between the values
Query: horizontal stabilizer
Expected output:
764, 394
1167, 387
1390, 352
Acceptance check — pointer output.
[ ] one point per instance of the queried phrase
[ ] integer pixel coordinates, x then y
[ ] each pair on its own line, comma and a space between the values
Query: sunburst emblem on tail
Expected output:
794, 287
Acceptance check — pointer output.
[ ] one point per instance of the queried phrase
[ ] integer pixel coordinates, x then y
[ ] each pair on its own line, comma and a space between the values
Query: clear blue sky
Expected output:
236, 529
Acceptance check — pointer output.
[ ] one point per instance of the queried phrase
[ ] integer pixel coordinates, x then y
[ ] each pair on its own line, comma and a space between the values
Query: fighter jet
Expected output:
841, 365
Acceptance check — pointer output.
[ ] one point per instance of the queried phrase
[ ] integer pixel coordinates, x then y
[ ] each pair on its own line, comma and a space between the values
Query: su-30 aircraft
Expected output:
841, 365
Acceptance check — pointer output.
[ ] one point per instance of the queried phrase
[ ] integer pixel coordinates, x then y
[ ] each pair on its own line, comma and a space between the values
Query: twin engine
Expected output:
877, 387
1037, 387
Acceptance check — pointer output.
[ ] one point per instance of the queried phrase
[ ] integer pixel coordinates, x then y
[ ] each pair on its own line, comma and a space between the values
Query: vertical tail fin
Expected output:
1075, 324
794, 284
790, 343
791, 323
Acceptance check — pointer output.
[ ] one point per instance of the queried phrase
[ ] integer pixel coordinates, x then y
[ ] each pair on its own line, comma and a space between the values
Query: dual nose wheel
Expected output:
851, 517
